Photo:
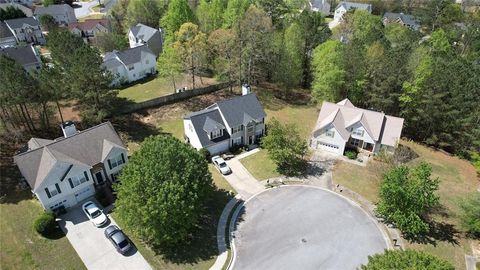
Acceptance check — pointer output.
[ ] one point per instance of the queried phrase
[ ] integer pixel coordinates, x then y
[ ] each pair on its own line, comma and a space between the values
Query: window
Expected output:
237, 141
354, 142
190, 127
116, 161
358, 132
236, 129
216, 133
250, 128
52, 190
330, 133
131, 67
78, 179
114, 177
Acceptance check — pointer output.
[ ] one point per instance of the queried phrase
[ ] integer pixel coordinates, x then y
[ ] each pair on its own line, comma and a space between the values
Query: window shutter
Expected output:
70, 181
113, 179
109, 164
123, 158
58, 188
48, 193
86, 175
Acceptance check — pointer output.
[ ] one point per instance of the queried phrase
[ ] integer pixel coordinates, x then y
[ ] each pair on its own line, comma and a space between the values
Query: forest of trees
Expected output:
431, 78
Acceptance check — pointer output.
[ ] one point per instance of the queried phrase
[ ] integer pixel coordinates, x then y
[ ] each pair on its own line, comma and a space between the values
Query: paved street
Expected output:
93, 247
83, 8
300, 227
241, 180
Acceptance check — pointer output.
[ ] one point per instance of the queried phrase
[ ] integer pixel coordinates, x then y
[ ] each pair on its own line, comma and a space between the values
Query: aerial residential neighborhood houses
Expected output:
402, 19
63, 14
26, 30
89, 29
26, 56
344, 7
141, 34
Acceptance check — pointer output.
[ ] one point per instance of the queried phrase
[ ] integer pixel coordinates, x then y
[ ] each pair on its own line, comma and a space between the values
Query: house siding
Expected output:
337, 140
189, 131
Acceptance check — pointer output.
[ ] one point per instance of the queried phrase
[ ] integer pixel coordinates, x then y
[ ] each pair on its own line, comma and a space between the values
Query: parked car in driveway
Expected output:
119, 240
221, 165
94, 213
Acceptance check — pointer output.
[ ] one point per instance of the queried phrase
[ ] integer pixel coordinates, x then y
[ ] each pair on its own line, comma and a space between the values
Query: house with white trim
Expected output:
236, 121
343, 7
402, 19
342, 125
322, 6
63, 14
65, 171
26, 30
142, 34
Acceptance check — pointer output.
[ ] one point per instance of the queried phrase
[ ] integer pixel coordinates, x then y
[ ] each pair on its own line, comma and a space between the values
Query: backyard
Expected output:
457, 179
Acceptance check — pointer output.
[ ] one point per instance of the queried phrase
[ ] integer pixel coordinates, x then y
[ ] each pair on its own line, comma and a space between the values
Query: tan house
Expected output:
89, 29
342, 125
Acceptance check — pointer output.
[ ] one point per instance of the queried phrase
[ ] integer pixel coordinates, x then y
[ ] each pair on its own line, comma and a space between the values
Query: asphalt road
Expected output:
300, 227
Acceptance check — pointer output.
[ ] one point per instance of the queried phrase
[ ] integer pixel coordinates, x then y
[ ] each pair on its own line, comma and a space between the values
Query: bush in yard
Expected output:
163, 191
285, 147
45, 224
470, 214
405, 260
351, 154
205, 154
406, 196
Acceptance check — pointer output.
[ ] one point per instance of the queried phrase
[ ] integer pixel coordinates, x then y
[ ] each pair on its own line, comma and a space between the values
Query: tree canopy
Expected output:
163, 190
11, 12
405, 260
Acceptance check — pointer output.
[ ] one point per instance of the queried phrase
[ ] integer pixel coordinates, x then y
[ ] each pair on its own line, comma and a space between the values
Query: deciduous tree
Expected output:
177, 14
329, 74
169, 64
405, 260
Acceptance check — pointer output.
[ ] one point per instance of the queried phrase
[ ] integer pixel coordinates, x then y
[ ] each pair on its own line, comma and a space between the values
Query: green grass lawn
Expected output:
260, 165
457, 179
22, 248
91, 17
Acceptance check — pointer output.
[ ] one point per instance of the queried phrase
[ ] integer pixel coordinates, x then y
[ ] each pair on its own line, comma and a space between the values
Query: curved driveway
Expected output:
300, 227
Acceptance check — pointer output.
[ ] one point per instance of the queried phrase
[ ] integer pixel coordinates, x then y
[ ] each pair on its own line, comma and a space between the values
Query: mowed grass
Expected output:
457, 179
22, 248
260, 165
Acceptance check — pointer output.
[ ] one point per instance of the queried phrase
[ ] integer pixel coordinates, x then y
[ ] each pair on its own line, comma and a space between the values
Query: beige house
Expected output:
342, 125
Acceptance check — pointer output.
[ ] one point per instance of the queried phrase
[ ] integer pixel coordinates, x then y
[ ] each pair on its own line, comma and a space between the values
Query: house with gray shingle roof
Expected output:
236, 121
403, 19
27, 56
322, 6
342, 125
141, 34
343, 7
131, 64
26, 30
67, 170
63, 14
7, 39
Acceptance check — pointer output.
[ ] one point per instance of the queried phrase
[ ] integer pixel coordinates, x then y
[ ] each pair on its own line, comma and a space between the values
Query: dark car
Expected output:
119, 240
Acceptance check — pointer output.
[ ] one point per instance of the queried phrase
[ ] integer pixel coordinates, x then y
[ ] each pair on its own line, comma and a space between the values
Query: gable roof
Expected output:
5, 31
88, 25
53, 9
351, 5
405, 18
21, 55
240, 110
142, 31
128, 56
19, 22
343, 115
204, 122
85, 148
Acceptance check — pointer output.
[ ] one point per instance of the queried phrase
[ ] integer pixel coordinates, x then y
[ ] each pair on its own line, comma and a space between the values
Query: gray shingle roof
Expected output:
23, 55
143, 31
133, 55
19, 22
53, 9
407, 19
86, 147
240, 110
207, 119
5, 31
350, 5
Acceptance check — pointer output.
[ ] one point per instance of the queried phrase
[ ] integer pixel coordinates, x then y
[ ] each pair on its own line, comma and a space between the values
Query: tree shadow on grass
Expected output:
203, 243
132, 128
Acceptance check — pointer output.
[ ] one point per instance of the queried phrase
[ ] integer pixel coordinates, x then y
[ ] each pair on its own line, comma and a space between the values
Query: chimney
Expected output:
246, 89
68, 129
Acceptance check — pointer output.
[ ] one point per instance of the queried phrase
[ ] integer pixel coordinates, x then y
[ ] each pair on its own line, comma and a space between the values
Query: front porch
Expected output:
360, 145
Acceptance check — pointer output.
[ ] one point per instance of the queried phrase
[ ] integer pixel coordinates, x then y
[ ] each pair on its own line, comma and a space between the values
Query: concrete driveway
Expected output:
301, 227
241, 179
94, 249
82, 9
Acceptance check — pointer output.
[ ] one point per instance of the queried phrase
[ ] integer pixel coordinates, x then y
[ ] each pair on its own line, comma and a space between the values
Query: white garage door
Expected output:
328, 147
84, 193
219, 147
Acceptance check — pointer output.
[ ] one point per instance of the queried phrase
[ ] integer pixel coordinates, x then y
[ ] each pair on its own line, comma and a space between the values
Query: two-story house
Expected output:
131, 64
89, 29
236, 121
26, 56
26, 30
141, 34
343, 7
66, 171
322, 6
342, 125
63, 14
402, 19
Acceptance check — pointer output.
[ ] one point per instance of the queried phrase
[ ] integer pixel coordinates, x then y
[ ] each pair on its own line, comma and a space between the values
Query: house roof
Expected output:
26, 10
405, 18
85, 148
21, 55
143, 31
19, 22
318, 4
351, 5
88, 25
5, 31
240, 110
127, 57
53, 9
382, 128
204, 122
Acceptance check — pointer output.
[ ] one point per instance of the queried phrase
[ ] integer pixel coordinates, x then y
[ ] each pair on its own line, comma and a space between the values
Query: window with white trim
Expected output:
237, 141
354, 142
52, 190
77, 180
236, 129
330, 133
250, 128
358, 132
116, 161
216, 133
131, 67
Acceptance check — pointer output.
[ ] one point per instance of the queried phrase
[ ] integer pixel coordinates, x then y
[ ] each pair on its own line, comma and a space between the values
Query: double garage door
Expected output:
84, 193
328, 147
219, 147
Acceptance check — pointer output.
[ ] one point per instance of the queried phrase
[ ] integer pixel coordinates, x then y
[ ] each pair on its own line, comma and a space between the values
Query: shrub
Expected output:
470, 214
236, 149
205, 153
406, 259
101, 197
351, 154
45, 224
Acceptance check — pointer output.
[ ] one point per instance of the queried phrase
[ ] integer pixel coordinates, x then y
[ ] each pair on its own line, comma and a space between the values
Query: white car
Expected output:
221, 165
94, 213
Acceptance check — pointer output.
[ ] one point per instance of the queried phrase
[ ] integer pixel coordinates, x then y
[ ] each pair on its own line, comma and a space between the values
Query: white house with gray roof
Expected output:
236, 121
342, 125
26, 30
141, 34
402, 19
131, 64
343, 7
322, 6
65, 171
63, 14
26, 56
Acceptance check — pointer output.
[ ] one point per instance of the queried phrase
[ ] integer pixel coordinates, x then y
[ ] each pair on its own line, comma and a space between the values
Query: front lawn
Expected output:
260, 165
457, 178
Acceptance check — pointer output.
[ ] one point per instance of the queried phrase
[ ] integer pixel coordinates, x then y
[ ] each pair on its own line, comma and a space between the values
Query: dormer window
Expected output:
330, 133
217, 133
358, 132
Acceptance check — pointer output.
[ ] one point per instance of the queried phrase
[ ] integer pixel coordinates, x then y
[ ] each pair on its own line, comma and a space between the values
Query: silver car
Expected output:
119, 240
221, 165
